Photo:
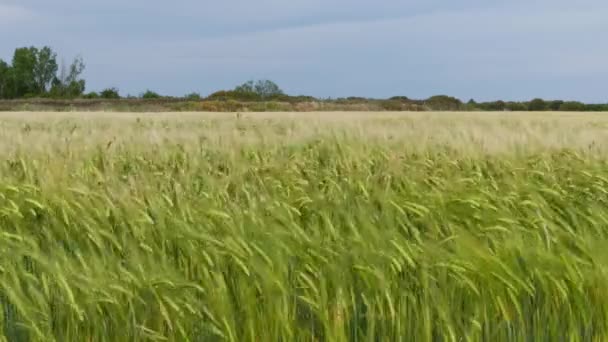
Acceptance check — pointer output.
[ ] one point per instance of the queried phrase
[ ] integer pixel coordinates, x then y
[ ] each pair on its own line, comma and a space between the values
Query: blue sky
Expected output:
481, 49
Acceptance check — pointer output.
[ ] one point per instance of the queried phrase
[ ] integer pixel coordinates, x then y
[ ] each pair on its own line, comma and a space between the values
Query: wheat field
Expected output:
304, 227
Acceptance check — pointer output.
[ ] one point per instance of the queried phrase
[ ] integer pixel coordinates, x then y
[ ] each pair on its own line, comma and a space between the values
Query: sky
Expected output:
480, 49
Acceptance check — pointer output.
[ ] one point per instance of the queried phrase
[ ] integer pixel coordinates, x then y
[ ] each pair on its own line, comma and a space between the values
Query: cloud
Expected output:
453, 37
483, 53
471, 48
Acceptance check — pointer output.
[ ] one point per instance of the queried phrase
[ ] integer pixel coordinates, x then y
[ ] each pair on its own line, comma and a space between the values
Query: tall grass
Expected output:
360, 228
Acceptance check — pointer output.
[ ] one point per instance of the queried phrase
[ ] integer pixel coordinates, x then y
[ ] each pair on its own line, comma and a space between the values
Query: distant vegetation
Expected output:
34, 79
35, 73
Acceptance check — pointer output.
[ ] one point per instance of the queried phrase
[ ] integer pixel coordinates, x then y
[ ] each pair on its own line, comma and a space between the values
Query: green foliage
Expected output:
68, 84
91, 95
23, 66
471, 106
516, 106
392, 105
5, 80
193, 97
149, 94
572, 106
33, 73
335, 238
220, 95
495, 106
554, 105
244, 92
247, 87
262, 90
443, 102
266, 89
110, 93
537, 105
45, 69
596, 107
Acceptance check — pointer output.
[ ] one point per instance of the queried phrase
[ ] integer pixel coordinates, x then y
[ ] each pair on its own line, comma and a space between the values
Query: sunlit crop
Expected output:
304, 227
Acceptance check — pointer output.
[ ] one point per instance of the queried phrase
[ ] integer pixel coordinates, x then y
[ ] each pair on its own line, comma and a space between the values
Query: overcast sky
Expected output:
481, 49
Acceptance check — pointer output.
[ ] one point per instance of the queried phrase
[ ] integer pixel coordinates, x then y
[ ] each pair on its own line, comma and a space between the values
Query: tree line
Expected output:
36, 73
443, 102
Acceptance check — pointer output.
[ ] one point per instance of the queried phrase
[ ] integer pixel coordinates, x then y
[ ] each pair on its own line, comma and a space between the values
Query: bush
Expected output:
234, 95
299, 99
110, 93
443, 102
91, 95
183, 106
572, 106
537, 105
516, 107
555, 105
596, 107
392, 105
149, 94
193, 97
209, 106
495, 106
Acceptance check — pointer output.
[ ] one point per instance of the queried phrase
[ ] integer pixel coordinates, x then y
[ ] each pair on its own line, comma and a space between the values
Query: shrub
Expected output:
596, 107
193, 97
555, 105
209, 106
149, 94
537, 105
110, 93
91, 95
443, 102
392, 105
572, 106
516, 107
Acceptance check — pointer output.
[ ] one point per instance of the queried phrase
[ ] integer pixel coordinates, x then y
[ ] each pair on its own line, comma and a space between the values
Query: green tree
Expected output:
193, 97
109, 93
496, 105
149, 94
45, 69
443, 102
5, 71
247, 87
68, 83
75, 84
266, 89
555, 105
92, 95
34, 73
537, 105
260, 90
24, 63
516, 107
572, 106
